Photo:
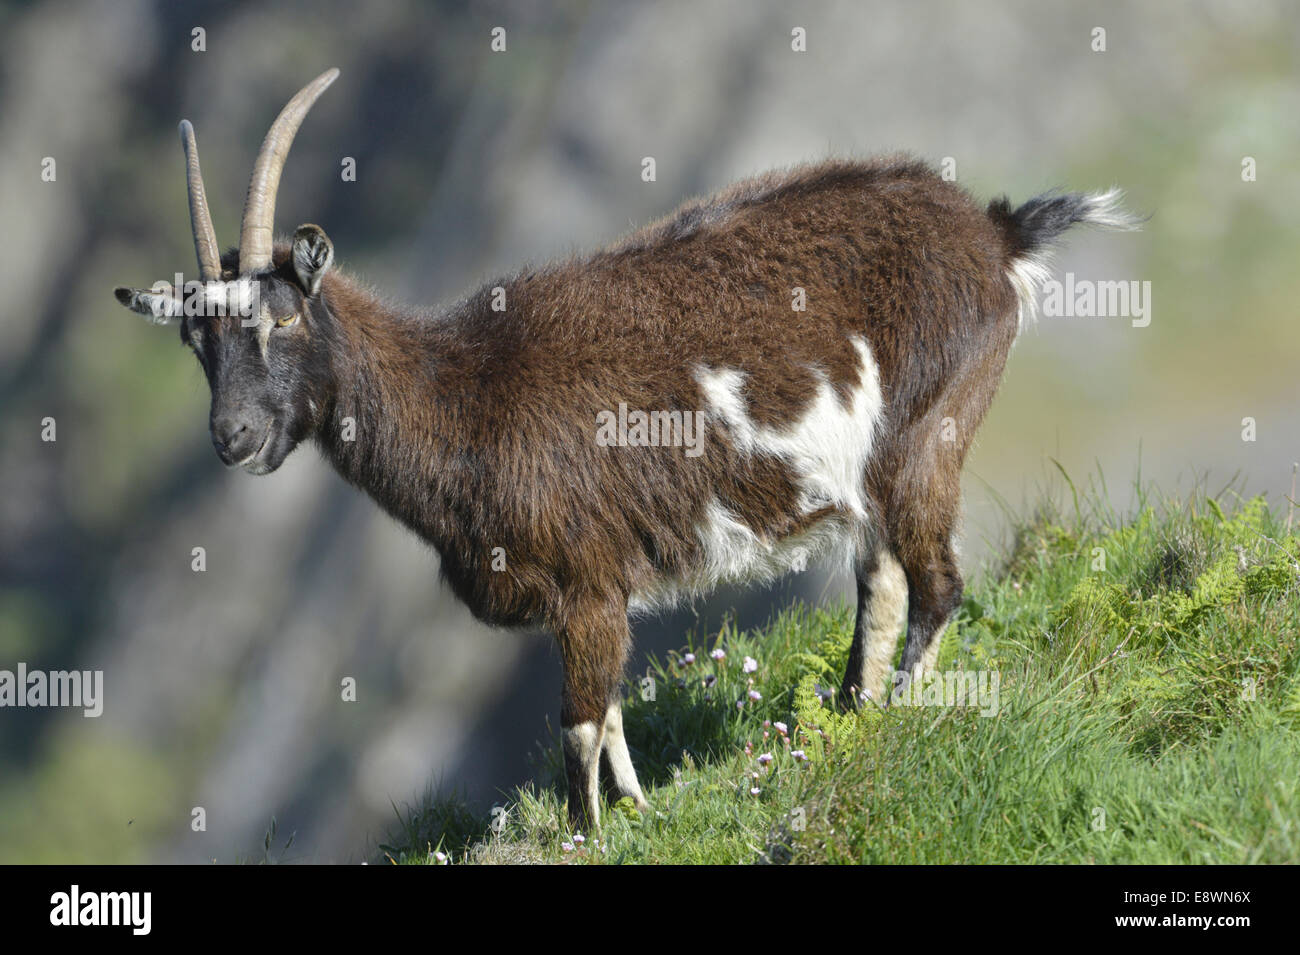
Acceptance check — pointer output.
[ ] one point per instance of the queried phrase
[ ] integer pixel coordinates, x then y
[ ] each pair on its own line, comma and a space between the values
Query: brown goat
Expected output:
807, 357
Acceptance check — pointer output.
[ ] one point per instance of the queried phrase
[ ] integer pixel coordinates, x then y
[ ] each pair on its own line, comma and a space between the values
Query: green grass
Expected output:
1148, 712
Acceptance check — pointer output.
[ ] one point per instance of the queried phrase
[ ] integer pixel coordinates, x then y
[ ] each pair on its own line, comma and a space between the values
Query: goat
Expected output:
487, 426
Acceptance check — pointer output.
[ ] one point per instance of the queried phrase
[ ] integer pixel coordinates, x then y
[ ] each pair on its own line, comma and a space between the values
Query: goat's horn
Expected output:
205, 237
255, 233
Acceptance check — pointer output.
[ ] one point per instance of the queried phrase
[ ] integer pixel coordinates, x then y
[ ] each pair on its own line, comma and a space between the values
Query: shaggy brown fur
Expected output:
476, 427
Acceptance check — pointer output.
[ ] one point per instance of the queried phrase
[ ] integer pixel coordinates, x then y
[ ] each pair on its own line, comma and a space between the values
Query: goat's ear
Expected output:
158, 305
313, 254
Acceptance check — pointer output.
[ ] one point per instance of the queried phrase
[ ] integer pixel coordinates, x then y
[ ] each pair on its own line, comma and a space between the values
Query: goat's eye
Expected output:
287, 321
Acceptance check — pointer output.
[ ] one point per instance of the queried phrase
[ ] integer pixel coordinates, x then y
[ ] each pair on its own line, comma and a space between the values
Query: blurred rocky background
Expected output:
222, 687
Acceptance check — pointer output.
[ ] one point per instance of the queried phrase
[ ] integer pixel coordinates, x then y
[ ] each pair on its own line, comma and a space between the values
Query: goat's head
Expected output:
260, 331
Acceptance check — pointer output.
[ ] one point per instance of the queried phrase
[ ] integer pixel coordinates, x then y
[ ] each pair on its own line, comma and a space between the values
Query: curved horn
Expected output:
205, 237
255, 233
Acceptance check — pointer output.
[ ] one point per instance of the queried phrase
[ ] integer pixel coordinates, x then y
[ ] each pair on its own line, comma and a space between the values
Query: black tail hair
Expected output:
1033, 226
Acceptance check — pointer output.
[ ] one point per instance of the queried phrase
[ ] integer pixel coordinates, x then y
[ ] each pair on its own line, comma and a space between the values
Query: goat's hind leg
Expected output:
935, 592
882, 603
616, 762
582, 744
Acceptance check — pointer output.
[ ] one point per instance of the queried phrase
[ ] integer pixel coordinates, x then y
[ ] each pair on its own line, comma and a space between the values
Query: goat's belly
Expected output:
731, 552
825, 452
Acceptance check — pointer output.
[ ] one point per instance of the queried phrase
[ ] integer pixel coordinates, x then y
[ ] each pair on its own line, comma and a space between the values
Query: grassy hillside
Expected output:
1147, 710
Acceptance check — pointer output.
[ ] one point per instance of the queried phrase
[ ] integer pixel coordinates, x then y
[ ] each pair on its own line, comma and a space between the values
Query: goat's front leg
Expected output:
582, 744
594, 643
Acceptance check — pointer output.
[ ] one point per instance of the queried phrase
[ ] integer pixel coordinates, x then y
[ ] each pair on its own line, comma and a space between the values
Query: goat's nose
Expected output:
230, 437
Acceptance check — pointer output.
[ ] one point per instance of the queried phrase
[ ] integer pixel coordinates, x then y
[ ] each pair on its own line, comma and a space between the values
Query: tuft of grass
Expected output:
1147, 710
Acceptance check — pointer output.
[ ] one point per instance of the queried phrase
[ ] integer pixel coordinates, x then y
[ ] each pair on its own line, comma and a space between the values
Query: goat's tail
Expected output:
1031, 229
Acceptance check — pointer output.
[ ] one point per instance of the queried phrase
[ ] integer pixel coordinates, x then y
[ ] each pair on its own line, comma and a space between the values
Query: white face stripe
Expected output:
264, 326
232, 298
218, 297
239, 297
827, 450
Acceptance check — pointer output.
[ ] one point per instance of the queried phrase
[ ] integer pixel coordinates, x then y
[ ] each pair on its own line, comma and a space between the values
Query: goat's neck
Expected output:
389, 427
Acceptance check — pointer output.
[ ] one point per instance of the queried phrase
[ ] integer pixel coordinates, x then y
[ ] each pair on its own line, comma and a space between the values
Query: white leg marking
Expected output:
620, 761
582, 766
931, 655
883, 622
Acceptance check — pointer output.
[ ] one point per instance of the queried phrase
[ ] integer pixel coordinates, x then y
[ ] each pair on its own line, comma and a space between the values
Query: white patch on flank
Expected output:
827, 448
827, 452
882, 623
722, 392
620, 761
